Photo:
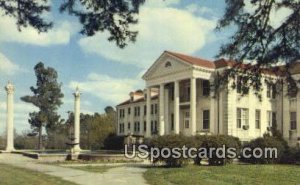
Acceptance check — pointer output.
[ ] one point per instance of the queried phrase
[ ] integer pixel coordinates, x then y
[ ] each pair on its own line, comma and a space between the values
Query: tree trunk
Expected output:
41, 138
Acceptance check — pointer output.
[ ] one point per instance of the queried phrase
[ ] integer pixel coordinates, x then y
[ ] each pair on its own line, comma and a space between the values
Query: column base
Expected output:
9, 150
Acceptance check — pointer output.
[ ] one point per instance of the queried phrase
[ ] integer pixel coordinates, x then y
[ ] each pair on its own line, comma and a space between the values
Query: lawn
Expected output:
230, 174
10, 175
96, 169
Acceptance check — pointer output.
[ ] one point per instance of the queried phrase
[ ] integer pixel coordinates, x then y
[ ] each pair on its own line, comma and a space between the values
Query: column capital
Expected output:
10, 88
77, 93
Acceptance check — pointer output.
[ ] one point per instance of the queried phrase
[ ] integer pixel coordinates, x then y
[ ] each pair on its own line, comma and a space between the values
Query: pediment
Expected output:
164, 65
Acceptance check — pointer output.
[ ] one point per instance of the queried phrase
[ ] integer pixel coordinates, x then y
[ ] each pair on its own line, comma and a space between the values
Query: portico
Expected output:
178, 83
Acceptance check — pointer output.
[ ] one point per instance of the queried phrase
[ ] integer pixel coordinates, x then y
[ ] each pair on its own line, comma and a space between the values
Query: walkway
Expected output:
122, 175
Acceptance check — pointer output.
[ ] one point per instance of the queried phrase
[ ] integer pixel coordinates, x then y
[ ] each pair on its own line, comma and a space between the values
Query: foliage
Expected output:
171, 141
258, 39
112, 16
46, 97
114, 142
262, 143
94, 129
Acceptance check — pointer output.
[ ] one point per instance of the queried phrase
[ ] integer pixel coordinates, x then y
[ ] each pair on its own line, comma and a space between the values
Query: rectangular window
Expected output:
293, 120
155, 126
242, 117
186, 123
152, 109
156, 107
121, 126
271, 118
205, 119
257, 119
145, 126
273, 91
129, 110
145, 110
138, 126
128, 126
205, 88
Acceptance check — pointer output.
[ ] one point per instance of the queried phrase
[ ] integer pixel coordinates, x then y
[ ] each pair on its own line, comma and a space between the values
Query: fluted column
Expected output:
161, 110
176, 107
10, 117
148, 113
77, 119
193, 106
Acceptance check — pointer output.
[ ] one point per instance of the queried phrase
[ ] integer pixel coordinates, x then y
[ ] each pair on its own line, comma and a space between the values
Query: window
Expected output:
136, 111
128, 126
205, 88
242, 117
129, 110
145, 126
152, 109
271, 91
257, 119
121, 128
154, 127
168, 64
172, 121
293, 120
155, 110
271, 118
145, 110
121, 113
136, 126
205, 119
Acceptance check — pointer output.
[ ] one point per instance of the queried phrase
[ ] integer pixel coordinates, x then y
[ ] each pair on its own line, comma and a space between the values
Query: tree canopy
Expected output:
46, 97
113, 16
258, 40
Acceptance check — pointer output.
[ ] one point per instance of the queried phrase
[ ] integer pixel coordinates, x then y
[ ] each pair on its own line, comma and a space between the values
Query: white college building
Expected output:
179, 99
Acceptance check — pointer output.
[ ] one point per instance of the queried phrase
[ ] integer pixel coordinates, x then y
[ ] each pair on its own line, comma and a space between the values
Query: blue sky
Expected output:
105, 74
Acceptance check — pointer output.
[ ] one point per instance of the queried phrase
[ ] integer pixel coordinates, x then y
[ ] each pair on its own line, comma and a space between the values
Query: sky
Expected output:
104, 73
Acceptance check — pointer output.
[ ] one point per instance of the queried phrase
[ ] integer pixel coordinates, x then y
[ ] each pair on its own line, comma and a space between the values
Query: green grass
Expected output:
97, 169
230, 174
10, 175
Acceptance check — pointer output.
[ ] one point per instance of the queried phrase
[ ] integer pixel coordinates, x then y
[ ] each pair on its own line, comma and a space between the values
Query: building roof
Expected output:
154, 97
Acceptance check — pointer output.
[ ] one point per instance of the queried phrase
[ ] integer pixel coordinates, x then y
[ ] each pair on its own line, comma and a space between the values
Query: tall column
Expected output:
161, 110
176, 107
148, 113
167, 110
214, 113
193, 106
77, 119
10, 117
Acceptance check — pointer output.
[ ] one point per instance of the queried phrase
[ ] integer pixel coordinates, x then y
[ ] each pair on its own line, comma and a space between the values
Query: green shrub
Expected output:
170, 141
113, 142
218, 141
265, 142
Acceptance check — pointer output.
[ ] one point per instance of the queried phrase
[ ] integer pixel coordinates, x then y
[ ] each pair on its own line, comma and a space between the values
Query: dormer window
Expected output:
168, 64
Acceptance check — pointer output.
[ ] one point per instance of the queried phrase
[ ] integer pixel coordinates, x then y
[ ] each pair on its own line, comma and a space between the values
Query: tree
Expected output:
46, 97
257, 39
113, 16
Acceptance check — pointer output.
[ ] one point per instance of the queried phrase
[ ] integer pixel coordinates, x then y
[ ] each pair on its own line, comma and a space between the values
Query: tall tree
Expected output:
46, 97
257, 39
113, 16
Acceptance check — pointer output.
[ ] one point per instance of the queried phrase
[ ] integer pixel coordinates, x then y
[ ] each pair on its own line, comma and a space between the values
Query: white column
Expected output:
176, 107
193, 106
148, 113
77, 119
167, 114
213, 125
10, 117
161, 110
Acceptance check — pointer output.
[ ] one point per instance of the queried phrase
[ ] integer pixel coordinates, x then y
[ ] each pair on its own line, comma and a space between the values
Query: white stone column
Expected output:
10, 117
77, 119
161, 109
148, 113
193, 106
176, 107
167, 110
213, 119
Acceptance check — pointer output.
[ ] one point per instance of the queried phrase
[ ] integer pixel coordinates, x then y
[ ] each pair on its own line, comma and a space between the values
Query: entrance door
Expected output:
186, 121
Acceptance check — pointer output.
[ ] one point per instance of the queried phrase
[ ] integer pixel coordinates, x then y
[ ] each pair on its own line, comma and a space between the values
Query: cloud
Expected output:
277, 16
8, 67
160, 28
197, 9
107, 88
59, 34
